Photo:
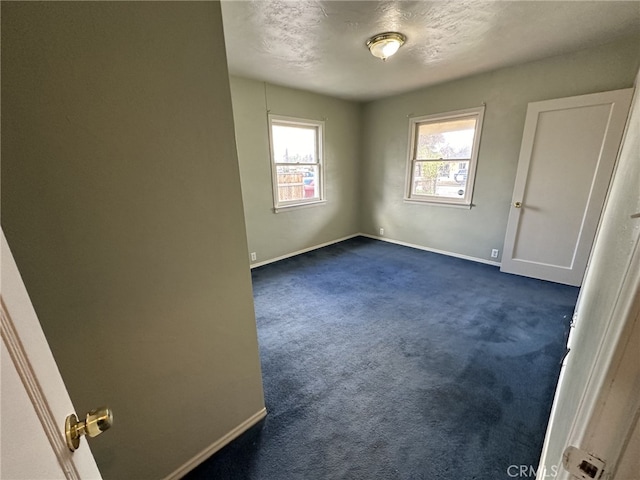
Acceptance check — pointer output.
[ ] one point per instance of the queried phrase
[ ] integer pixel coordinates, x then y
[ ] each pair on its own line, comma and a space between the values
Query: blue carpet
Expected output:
386, 362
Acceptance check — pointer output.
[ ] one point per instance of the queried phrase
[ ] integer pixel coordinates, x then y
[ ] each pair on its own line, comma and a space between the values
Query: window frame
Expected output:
318, 126
414, 125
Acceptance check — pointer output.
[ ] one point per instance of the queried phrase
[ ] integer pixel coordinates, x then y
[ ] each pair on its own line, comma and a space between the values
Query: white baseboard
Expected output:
304, 250
434, 250
217, 445
384, 239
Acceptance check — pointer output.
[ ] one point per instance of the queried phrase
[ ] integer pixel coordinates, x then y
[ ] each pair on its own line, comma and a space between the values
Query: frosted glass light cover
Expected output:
385, 44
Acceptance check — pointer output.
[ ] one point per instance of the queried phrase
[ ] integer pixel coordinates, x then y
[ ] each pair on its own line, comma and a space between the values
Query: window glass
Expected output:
296, 156
448, 140
294, 144
443, 155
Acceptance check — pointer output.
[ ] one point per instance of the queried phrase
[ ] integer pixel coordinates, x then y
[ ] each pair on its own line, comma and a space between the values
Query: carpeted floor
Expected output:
386, 362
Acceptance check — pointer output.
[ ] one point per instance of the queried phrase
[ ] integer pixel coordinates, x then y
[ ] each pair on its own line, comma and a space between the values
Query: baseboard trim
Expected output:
433, 250
217, 445
384, 239
304, 250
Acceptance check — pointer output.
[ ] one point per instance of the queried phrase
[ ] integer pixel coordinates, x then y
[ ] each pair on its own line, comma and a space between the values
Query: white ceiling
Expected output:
320, 45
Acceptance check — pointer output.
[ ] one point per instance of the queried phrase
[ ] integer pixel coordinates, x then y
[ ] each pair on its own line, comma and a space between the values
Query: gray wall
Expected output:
270, 234
121, 201
506, 93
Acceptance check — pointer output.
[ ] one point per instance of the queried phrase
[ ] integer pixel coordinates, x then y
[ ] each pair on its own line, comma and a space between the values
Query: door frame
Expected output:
612, 357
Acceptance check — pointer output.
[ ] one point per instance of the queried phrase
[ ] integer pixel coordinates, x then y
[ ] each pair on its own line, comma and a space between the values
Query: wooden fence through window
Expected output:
290, 186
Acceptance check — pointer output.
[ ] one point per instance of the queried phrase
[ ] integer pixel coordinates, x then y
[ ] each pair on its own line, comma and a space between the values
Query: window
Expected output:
443, 152
296, 161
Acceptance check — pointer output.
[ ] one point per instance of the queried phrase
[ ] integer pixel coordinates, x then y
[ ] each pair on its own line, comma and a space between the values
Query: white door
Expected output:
597, 404
568, 152
35, 402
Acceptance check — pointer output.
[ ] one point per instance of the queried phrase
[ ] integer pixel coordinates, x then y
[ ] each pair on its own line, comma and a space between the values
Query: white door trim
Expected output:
607, 358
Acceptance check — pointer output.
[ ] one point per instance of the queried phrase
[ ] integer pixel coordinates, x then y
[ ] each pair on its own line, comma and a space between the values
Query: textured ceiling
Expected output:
320, 45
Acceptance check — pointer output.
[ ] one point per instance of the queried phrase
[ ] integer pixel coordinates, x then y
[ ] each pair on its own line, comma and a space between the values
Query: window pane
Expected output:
450, 139
294, 144
447, 179
298, 182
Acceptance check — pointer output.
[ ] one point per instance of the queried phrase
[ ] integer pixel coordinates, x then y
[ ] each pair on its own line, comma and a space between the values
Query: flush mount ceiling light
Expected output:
386, 44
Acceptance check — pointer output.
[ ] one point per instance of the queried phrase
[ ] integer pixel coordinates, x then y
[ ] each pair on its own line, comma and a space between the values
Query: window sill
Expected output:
286, 208
433, 203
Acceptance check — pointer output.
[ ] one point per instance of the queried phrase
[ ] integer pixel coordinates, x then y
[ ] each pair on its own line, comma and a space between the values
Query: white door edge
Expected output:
28, 348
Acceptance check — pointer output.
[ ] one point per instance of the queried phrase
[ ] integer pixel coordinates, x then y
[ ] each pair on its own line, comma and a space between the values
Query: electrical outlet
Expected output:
254, 257
381, 231
494, 253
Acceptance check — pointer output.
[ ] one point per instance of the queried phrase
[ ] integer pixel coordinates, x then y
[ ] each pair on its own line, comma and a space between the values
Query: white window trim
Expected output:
466, 201
301, 122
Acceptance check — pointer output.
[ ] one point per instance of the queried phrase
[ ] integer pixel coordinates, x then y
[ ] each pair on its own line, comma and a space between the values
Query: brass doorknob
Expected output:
96, 422
517, 204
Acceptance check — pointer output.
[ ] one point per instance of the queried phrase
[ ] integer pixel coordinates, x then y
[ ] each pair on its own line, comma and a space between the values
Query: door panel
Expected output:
35, 402
18, 415
567, 157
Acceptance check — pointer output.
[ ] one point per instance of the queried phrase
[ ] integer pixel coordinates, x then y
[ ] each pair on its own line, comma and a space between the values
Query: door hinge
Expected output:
582, 465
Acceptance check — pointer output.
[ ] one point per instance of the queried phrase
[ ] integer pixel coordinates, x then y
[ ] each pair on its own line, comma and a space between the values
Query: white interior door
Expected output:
597, 404
568, 152
35, 402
